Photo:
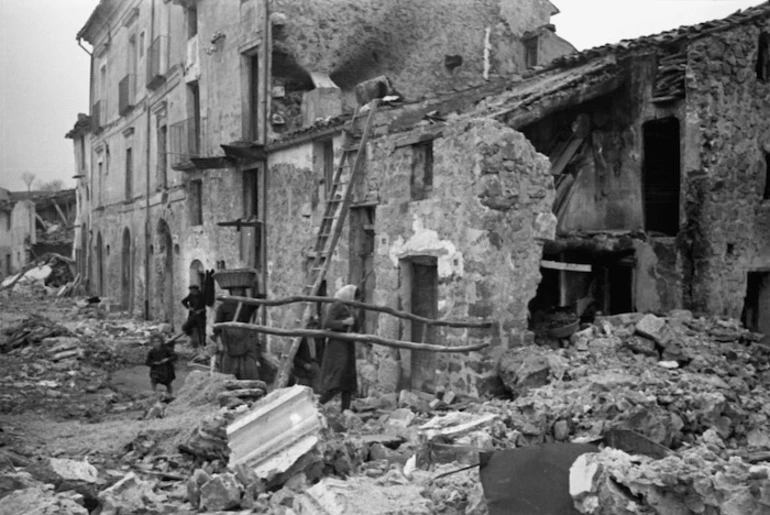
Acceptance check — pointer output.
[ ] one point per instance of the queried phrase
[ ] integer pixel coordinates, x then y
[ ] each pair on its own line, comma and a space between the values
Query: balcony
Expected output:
126, 93
97, 111
157, 62
184, 143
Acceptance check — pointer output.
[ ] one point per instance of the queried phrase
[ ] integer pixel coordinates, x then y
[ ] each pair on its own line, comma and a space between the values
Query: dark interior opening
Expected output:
763, 57
661, 176
757, 302
564, 296
423, 279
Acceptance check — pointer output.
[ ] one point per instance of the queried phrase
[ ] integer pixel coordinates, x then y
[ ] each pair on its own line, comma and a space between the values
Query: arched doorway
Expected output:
164, 273
99, 265
126, 272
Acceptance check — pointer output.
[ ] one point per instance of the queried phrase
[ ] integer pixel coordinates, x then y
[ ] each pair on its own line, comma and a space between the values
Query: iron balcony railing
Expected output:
126, 93
157, 62
184, 140
96, 116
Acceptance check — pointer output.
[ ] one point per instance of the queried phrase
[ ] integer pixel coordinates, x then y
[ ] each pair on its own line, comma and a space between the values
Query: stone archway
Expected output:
164, 274
126, 272
99, 265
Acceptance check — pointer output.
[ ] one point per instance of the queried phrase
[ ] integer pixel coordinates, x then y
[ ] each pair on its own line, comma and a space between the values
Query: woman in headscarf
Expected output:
338, 369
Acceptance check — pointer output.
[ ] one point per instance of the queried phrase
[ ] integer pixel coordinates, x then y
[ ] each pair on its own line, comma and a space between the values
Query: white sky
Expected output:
44, 74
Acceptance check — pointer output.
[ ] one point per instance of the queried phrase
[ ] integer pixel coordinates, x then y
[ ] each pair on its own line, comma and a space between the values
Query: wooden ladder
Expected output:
340, 195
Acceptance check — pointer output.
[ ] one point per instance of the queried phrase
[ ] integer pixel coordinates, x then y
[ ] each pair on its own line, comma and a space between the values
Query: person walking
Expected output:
161, 360
195, 325
338, 369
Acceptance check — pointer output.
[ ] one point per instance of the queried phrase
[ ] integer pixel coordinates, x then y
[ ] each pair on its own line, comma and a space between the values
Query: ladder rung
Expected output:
351, 148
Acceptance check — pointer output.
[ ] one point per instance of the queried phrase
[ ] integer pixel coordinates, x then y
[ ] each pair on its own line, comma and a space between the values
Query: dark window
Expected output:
422, 170
253, 103
196, 202
162, 163
328, 157
192, 22
194, 107
530, 52
141, 45
82, 153
763, 57
757, 302
661, 176
129, 174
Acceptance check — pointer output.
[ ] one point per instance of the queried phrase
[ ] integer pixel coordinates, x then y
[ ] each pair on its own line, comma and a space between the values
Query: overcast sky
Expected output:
44, 74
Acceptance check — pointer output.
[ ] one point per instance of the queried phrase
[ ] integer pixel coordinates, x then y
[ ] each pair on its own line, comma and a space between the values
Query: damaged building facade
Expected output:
187, 98
511, 182
33, 223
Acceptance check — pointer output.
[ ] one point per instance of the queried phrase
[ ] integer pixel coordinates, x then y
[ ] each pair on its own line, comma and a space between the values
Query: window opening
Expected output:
661, 176
422, 170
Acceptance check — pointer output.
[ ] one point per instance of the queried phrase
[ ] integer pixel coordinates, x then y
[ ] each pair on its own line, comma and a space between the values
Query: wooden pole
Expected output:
353, 337
482, 324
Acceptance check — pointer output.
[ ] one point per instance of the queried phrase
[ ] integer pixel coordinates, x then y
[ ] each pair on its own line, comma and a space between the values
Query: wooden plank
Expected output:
353, 337
474, 324
569, 267
61, 213
565, 157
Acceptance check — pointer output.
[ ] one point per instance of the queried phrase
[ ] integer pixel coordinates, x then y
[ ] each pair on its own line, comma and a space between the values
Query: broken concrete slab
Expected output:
277, 433
332, 496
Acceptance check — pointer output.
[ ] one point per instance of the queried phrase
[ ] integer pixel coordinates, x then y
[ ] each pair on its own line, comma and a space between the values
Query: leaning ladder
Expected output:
338, 202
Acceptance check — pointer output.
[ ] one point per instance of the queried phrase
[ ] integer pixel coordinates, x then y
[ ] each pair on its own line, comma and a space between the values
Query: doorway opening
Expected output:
361, 271
661, 175
421, 281
126, 272
756, 306
164, 273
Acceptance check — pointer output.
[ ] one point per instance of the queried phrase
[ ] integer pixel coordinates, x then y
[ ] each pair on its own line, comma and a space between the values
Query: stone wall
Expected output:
725, 167
482, 222
407, 40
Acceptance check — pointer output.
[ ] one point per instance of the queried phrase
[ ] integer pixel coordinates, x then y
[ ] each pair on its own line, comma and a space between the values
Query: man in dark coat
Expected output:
306, 370
338, 370
196, 316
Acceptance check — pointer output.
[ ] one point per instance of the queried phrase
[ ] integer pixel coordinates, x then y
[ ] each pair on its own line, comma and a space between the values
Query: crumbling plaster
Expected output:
407, 40
726, 233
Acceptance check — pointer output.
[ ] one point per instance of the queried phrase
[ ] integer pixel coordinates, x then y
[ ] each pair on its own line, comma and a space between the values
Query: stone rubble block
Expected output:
129, 495
613, 482
651, 326
222, 492
524, 368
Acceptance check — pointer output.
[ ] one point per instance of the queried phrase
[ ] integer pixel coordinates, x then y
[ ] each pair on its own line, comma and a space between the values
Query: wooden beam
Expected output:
481, 324
569, 267
352, 337
61, 213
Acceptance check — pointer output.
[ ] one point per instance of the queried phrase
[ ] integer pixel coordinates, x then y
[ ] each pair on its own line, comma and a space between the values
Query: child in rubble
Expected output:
161, 360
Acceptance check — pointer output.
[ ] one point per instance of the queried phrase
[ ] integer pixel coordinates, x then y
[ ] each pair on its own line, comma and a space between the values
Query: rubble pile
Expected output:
50, 274
678, 407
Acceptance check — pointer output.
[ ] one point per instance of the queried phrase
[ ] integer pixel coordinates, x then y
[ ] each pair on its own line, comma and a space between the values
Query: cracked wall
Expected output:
728, 137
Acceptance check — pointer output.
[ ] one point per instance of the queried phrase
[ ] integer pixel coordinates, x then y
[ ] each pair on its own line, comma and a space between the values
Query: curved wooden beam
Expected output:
352, 337
482, 324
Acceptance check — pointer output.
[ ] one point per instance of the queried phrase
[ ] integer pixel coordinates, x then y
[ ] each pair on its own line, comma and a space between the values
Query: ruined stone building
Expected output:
511, 181
33, 223
187, 98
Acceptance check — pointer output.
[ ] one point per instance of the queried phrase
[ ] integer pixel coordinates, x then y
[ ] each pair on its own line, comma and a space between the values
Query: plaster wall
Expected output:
23, 234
